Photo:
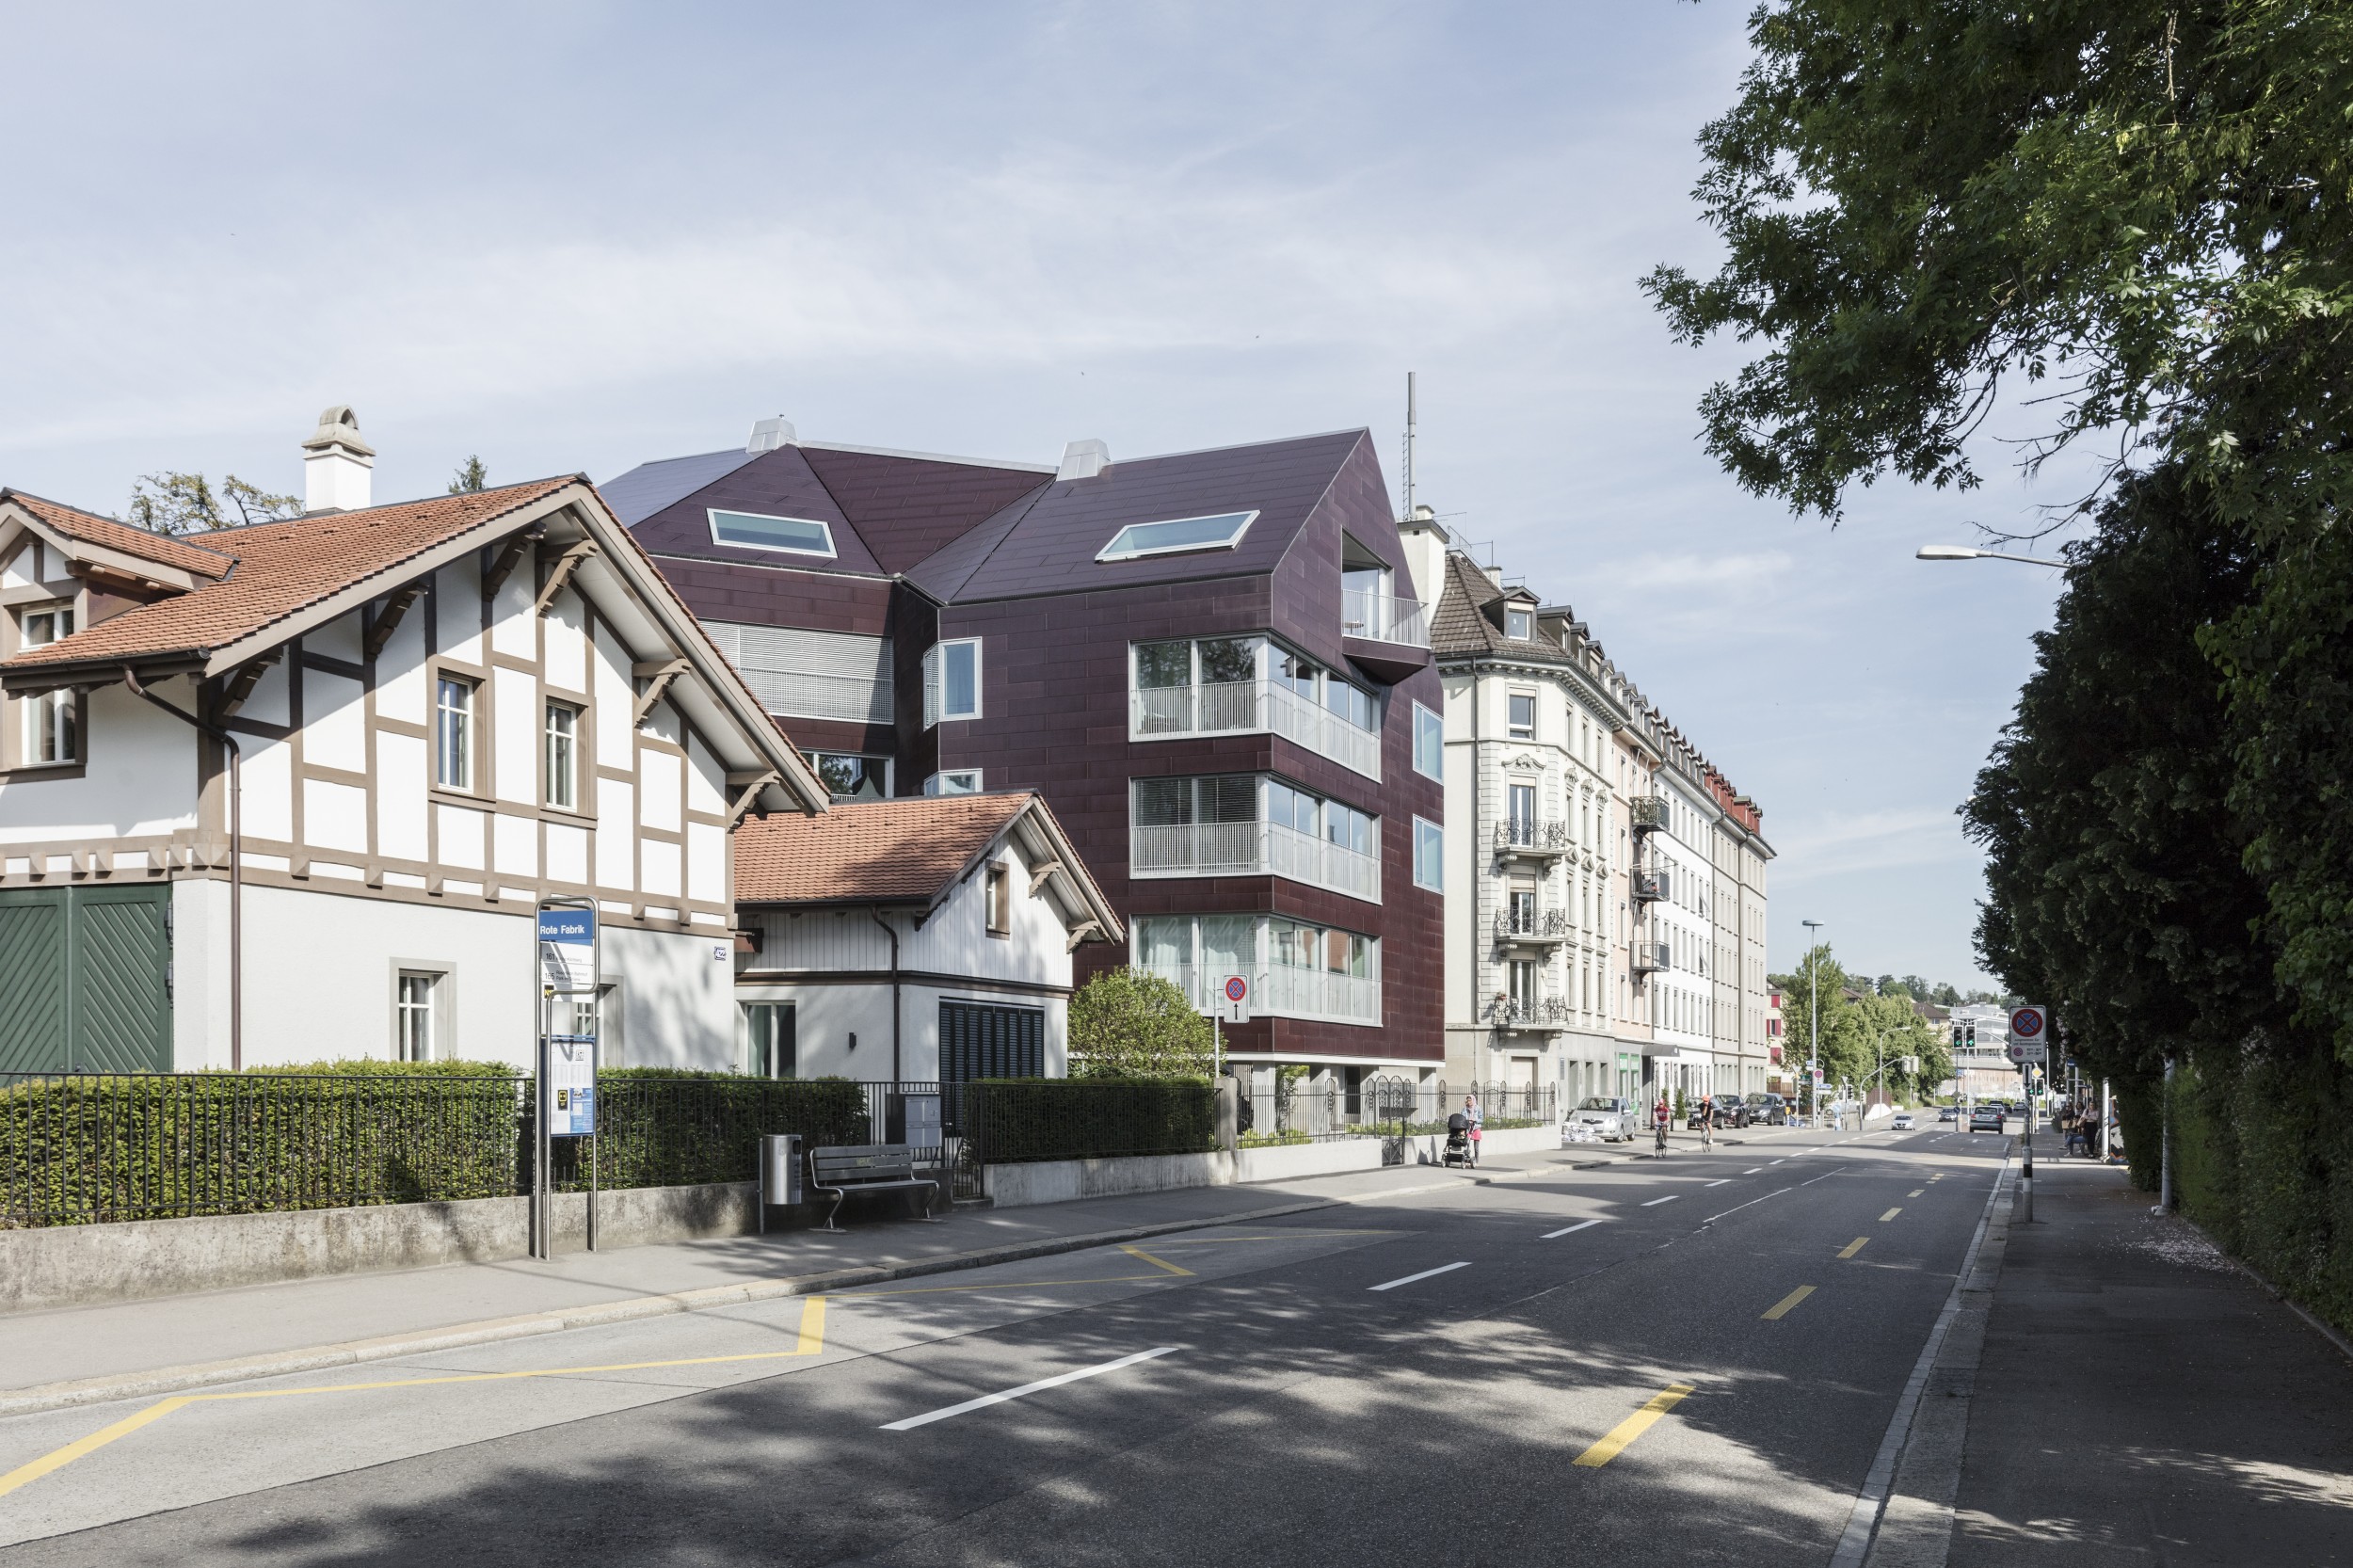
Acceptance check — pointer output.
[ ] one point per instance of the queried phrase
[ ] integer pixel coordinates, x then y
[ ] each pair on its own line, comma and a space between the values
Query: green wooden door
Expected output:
84, 980
33, 979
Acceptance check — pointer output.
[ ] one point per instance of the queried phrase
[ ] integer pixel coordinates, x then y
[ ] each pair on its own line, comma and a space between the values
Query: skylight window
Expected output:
1221, 532
752, 531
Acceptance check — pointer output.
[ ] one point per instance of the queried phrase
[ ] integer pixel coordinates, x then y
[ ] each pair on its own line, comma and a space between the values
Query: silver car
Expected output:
1609, 1117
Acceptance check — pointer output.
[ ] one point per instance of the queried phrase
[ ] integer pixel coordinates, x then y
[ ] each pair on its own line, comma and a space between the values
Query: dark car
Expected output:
1770, 1109
1731, 1111
1987, 1119
1947, 1114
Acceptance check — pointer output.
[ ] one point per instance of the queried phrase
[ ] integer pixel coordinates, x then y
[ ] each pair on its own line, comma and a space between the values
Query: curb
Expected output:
173, 1380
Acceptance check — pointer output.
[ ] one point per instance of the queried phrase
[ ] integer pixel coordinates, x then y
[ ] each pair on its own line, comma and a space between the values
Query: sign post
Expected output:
1232, 1007
567, 971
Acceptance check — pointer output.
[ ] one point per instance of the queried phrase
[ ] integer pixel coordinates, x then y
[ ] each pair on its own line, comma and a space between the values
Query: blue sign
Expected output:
567, 951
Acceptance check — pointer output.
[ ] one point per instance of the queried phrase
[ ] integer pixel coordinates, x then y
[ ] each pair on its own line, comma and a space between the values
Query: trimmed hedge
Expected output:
1022, 1120
666, 1126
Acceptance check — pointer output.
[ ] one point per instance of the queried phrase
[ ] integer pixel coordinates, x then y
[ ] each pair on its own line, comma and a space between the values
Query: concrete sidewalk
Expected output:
2140, 1400
83, 1354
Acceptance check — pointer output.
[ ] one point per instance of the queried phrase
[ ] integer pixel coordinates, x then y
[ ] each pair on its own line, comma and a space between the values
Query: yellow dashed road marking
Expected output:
1781, 1309
1633, 1426
1854, 1246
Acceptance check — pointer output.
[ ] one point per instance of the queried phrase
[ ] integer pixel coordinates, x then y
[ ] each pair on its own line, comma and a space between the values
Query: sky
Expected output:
573, 237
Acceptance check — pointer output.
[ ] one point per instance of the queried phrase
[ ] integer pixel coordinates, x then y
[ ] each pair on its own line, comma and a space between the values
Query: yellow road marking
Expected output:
1854, 1246
1157, 1262
1781, 1309
810, 1341
1014, 1285
1633, 1426
1889, 1215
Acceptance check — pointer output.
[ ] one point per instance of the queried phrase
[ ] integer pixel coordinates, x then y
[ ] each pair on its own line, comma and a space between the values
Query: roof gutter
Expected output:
236, 861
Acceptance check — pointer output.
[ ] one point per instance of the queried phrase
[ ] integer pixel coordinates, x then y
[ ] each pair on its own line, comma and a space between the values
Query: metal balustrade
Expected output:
1285, 992
1527, 836
1251, 706
1543, 925
1384, 618
1253, 848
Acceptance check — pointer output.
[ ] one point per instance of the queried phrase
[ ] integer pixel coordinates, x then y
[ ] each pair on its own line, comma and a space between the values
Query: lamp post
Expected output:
1814, 1029
1965, 552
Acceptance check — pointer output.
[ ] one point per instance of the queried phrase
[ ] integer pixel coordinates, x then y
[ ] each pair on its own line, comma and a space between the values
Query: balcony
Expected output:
1650, 886
1650, 957
1286, 993
1648, 811
1545, 1014
1253, 849
1246, 707
1542, 928
1384, 618
1524, 840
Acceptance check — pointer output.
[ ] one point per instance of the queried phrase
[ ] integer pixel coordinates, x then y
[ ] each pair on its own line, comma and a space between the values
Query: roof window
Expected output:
752, 531
1221, 532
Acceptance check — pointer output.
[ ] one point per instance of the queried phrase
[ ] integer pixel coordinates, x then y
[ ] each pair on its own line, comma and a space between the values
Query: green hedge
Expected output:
1019, 1120
2263, 1159
665, 1126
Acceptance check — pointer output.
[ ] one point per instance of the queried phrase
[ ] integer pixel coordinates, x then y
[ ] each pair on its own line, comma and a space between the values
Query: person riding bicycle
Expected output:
1707, 1123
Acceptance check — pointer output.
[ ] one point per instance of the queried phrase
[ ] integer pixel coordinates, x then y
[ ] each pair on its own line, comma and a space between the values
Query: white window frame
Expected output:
52, 719
953, 782
1436, 728
466, 734
1524, 620
936, 684
997, 900
1512, 730
1434, 835
1116, 551
715, 513
560, 787
436, 1011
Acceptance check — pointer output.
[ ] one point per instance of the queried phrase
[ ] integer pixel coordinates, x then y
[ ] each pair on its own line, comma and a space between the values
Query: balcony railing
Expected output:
1649, 812
1384, 618
1288, 993
1545, 1012
1521, 836
1650, 957
1253, 849
1544, 925
1237, 707
1650, 886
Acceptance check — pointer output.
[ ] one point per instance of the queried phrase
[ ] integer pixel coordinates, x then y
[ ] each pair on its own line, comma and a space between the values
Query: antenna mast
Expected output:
1409, 446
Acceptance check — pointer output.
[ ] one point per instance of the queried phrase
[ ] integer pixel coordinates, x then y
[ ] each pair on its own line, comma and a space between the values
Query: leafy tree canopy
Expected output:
169, 502
1132, 1023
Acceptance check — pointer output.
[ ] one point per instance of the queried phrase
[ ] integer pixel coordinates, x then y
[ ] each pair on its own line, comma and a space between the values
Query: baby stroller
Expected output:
1458, 1142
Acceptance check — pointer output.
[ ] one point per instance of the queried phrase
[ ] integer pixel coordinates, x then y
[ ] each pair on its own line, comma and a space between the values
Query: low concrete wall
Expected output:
67, 1265
1061, 1180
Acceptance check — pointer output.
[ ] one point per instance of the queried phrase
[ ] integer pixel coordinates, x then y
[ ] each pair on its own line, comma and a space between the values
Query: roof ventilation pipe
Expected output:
770, 434
1084, 459
337, 466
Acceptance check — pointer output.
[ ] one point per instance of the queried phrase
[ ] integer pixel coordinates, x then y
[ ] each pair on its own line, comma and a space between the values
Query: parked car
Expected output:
1948, 1114
1731, 1111
1771, 1109
1902, 1122
1611, 1116
1990, 1118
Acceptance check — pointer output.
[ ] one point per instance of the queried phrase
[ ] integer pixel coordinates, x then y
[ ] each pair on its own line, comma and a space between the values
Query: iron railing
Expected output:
1532, 925
1525, 836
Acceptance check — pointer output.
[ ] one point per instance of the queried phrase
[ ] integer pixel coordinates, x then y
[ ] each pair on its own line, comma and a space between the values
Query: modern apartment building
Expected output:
1211, 665
1606, 899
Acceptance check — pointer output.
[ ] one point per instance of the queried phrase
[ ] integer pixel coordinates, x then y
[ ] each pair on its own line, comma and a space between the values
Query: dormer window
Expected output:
1221, 532
1519, 625
756, 531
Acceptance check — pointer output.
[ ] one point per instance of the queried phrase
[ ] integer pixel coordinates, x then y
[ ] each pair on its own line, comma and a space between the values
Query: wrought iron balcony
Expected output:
1525, 836
1545, 1012
1543, 927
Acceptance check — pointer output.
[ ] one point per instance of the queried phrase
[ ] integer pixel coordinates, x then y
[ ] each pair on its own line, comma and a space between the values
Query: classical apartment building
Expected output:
293, 792
1606, 899
1211, 665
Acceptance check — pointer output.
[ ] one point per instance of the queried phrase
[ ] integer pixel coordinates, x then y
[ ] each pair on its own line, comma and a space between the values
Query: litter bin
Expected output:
779, 1172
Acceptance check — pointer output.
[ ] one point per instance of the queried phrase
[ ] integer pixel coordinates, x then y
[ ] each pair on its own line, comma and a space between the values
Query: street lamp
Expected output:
1813, 1030
1964, 552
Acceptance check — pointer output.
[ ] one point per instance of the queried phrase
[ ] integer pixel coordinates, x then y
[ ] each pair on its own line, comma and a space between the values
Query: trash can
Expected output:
779, 1172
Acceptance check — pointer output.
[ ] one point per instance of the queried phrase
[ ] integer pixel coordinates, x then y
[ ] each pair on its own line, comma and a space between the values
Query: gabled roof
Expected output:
71, 522
1461, 625
282, 570
911, 850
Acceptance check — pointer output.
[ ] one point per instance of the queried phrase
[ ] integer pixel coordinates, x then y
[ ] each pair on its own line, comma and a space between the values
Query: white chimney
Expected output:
770, 434
1084, 459
336, 464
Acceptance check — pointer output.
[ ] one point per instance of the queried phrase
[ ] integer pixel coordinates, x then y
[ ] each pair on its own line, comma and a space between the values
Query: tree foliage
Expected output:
1862, 1029
470, 477
1132, 1023
171, 503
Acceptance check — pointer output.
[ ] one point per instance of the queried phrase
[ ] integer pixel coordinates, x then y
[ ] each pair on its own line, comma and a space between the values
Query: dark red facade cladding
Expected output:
1054, 676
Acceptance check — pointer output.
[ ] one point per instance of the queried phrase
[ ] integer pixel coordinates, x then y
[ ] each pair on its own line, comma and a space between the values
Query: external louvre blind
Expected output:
811, 675
979, 1041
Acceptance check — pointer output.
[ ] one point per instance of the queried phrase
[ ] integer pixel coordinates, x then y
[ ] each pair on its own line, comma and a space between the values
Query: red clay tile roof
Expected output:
283, 568
885, 850
162, 549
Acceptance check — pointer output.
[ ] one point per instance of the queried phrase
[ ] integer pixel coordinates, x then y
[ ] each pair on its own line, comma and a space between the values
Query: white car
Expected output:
1902, 1122
1609, 1117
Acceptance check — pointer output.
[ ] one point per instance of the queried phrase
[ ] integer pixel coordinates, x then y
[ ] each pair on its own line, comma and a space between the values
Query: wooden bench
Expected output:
868, 1168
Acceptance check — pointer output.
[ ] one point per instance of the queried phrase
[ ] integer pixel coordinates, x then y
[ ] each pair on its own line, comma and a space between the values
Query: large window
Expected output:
413, 1008
954, 781
952, 681
453, 732
756, 531
771, 1039
563, 756
1211, 684
1221, 532
1251, 824
1428, 743
1294, 970
1429, 855
849, 777
51, 719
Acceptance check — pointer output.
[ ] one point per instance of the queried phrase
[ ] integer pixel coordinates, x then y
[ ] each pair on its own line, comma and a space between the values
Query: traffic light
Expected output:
1957, 1038
1973, 1035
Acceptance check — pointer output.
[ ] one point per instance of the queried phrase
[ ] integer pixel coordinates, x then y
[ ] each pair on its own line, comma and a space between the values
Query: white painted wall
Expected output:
141, 780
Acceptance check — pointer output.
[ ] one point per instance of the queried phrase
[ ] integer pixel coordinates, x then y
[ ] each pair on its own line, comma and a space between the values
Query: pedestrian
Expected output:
1707, 1125
1660, 1116
1470, 1109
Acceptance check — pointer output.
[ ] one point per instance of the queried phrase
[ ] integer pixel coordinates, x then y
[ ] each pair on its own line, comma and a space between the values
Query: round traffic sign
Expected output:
2027, 1023
1236, 989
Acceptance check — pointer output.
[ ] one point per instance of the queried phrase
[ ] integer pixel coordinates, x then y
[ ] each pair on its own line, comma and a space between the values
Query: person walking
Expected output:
1470, 1109
1660, 1115
1707, 1125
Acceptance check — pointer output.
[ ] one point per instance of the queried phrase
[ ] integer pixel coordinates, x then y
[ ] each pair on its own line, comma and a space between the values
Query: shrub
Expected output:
1022, 1119
1133, 1024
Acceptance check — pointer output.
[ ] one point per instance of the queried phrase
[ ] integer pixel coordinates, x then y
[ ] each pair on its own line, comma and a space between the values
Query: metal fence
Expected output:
1290, 1110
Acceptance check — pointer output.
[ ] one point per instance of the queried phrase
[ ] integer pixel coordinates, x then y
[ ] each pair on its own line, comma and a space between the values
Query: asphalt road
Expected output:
1691, 1360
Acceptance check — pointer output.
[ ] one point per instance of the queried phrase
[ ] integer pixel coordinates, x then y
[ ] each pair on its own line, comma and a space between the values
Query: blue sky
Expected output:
572, 237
